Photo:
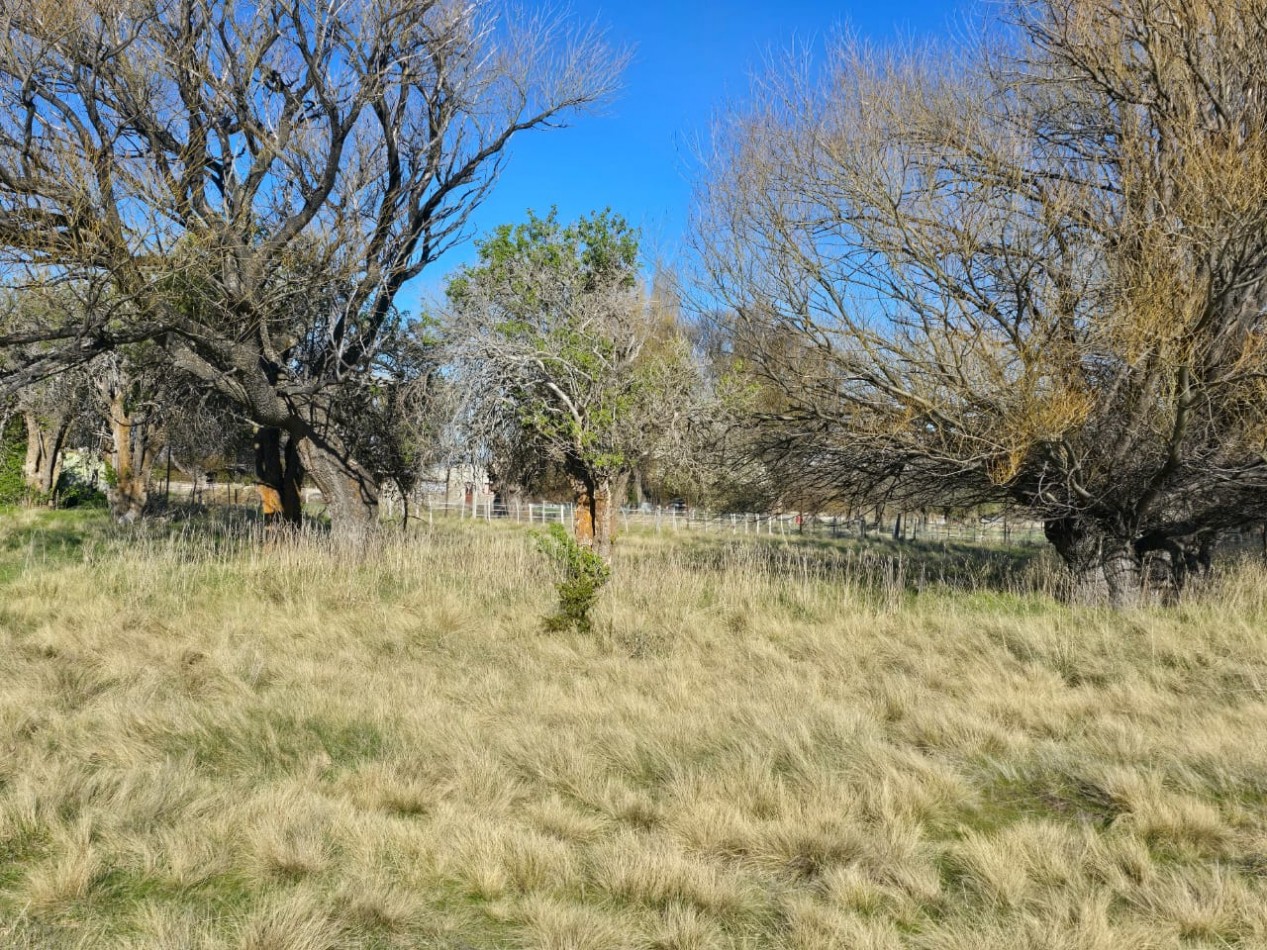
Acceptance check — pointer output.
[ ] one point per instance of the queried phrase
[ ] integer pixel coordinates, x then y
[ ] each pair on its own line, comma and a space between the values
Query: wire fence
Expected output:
1001, 529
991, 530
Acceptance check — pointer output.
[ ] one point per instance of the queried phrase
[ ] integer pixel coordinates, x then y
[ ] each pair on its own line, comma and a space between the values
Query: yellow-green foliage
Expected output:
208, 743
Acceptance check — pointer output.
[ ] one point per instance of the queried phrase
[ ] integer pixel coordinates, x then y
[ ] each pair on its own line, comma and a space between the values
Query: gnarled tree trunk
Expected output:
1184, 558
349, 489
44, 438
1103, 568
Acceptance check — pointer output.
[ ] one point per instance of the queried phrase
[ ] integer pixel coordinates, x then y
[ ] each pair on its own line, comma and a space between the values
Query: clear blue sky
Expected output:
690, 57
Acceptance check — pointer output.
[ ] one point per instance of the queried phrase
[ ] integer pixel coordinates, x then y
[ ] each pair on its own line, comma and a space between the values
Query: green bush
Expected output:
582, 575
75, 491
13, 487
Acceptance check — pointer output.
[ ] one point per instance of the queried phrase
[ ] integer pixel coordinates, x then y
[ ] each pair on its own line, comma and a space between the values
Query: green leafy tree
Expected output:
13, 486
550, 334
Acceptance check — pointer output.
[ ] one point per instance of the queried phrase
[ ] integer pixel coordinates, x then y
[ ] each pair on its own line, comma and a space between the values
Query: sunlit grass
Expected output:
209, 741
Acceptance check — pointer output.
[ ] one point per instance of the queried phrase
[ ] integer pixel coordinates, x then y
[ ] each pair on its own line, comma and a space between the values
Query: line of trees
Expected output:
1029, 272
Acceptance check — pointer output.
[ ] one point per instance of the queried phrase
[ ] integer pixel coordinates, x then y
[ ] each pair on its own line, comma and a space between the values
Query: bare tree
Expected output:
1032, 273
259, 180
555, 347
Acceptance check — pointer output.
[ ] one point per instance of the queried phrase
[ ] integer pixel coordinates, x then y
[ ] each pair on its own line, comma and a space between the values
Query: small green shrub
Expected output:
582, 576
75, 491
13, 487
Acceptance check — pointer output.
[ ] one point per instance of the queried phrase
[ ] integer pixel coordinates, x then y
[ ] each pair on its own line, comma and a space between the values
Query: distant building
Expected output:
456, 485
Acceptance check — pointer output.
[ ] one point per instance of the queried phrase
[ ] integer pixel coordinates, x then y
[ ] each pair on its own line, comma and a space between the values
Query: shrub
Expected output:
13, 487
582, 576
75, 491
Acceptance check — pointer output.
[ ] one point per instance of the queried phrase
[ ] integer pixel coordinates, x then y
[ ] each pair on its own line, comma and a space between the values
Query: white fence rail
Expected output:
673, 519
430, 508
993, 530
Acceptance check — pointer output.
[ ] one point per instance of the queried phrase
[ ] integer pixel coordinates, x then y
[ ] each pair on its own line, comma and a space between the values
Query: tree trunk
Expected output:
508, 493
268, 472
131, 458
292, 484
583, 517
1184, 558
1103, 568
597, 505
350, 492
43, 465
608, 500
280, 475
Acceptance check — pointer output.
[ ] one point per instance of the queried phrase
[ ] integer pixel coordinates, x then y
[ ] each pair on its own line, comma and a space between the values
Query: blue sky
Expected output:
689, 59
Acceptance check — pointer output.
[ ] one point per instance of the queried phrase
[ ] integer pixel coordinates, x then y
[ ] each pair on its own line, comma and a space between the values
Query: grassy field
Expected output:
210, 743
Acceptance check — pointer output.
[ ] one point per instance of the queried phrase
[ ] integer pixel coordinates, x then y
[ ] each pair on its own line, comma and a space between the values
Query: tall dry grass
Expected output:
209, 742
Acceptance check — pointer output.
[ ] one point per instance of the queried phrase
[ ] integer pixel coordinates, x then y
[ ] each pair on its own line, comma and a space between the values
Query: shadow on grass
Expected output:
47, 537
891, 567
30, 536
883, 563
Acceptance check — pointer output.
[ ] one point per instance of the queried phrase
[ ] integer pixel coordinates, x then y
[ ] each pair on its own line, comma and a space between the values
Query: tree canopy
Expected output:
551, 332
1034, 272
257, 181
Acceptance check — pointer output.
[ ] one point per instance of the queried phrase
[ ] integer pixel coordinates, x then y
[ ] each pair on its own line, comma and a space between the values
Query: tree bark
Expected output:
597, 505
132, 457
292, 483
268, 472
583, 517
1103, 568
509, 498
350, 492
1184, 558
43, 465
280, 477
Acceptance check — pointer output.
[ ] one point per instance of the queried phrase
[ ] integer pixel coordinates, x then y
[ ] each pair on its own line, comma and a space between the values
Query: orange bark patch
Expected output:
583, 520
272, 500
